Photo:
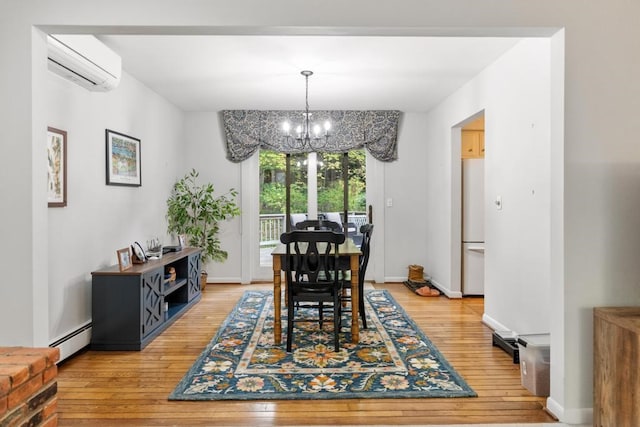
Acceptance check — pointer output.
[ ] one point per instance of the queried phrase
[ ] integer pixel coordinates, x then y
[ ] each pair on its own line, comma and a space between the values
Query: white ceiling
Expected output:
212, 73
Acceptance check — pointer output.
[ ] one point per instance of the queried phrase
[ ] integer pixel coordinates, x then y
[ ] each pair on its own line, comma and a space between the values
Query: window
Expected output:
312, 197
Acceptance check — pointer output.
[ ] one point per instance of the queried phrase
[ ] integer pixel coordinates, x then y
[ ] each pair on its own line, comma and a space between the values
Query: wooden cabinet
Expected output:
130, 308
472, 144
616, 380
193, 273
152, 300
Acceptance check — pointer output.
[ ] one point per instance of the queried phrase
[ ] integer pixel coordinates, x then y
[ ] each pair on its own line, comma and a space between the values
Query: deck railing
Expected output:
271, 227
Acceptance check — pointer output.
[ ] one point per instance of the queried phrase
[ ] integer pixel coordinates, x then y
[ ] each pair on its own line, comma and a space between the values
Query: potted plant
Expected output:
194, 211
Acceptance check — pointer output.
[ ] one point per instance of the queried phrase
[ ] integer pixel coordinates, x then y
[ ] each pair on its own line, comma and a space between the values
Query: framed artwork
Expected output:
123, 159
124, 258
181, 241
56, 167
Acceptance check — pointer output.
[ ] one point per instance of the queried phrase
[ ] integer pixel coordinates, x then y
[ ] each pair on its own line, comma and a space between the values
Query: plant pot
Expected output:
203, 280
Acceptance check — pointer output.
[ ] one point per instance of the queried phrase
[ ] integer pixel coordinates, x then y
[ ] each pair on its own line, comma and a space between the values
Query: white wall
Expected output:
206, 152
517, 120
406, 221
99, 219
514, 94
601, 182
600, 171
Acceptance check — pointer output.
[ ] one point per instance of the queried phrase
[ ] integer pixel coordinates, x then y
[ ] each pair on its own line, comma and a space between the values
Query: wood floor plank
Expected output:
131, 388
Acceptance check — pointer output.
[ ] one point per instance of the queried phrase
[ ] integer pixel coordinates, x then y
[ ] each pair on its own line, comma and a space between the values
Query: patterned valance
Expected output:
249, 130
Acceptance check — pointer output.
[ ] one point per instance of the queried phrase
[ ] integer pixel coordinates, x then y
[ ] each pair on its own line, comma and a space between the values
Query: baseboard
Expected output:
447, 292
582, 416
226, 280
493, 324
73, 342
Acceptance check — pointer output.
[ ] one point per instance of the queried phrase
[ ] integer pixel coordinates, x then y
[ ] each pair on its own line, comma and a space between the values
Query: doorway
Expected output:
472, 190
316, 191
467, 231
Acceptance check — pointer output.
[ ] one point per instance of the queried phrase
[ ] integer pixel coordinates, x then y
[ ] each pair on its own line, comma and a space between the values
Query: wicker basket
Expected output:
416, 273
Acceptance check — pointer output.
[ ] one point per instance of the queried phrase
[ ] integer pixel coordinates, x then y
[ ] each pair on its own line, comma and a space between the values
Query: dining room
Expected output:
548, 156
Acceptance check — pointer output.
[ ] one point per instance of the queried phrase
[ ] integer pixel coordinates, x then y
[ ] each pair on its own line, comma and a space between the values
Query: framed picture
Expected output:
123, 159
181, 241
56, 167
124, 258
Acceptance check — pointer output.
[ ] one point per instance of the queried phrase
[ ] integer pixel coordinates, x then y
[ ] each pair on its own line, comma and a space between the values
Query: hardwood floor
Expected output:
131, 388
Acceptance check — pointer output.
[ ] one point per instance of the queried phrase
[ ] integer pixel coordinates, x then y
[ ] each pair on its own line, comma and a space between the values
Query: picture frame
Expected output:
181, 241
124, 258
123, 159
56, 167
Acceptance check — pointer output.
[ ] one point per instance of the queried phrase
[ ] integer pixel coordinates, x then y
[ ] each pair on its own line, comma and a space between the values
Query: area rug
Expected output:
393, 359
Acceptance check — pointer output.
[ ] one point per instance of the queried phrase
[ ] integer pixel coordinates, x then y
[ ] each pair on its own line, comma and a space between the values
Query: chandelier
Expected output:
303, 134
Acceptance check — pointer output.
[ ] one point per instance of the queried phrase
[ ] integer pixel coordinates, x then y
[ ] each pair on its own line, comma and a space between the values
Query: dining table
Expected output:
348, 251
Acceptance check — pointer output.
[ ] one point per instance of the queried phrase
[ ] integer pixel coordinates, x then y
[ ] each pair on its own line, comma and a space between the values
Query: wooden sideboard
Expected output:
616, 357
130, 308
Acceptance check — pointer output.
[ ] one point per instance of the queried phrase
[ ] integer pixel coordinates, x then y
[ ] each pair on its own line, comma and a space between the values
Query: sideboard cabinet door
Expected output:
152, 301
194, 275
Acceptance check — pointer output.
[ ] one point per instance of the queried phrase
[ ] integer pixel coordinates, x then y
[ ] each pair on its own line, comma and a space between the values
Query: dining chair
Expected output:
366, 231
326, 224
318, 224
352, 229
322, 224
311, 272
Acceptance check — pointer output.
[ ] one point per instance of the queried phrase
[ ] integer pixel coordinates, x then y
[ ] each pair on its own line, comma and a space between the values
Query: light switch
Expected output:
499, 203
389, 202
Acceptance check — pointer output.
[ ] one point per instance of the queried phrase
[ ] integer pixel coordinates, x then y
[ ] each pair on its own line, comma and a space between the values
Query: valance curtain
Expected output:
248, 130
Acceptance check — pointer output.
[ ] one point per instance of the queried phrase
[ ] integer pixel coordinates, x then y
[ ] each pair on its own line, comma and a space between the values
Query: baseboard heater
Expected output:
73, 342
506, 340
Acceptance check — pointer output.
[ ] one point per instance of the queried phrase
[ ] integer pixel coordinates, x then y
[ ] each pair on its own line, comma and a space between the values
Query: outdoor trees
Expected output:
330, 182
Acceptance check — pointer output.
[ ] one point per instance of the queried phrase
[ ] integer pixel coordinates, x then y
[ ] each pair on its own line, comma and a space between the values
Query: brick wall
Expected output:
28, 386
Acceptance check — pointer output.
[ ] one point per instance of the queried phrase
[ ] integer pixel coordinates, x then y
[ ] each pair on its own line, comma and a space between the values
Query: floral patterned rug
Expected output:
393, 359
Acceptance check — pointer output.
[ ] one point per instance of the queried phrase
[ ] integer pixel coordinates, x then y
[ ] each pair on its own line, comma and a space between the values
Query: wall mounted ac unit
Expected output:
84, 60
